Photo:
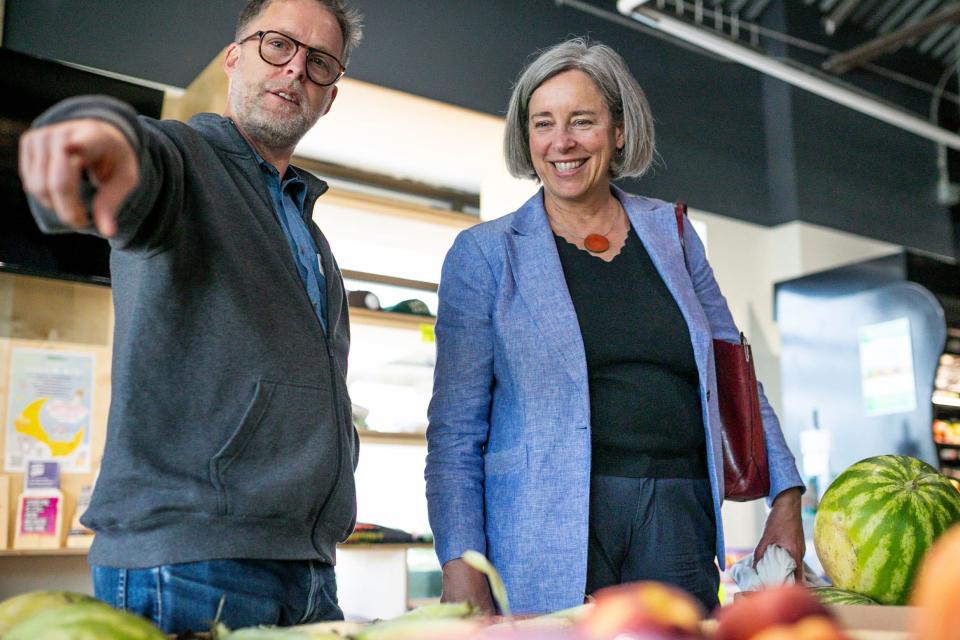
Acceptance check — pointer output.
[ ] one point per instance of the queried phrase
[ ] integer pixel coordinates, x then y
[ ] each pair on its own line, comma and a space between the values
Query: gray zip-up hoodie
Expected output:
230, 432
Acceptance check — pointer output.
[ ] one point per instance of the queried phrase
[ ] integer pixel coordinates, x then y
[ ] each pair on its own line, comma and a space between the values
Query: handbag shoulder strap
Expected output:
680, 209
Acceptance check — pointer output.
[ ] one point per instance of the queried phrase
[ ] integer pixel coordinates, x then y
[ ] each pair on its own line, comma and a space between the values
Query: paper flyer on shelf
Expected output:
49, 409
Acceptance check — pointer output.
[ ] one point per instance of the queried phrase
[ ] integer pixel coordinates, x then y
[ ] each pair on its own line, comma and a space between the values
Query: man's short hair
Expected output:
350, 21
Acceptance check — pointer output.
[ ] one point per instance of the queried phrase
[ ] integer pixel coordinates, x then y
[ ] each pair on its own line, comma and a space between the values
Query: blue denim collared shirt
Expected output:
288, 198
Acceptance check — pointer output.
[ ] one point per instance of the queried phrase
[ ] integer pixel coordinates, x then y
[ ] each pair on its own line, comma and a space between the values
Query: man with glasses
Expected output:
227, 477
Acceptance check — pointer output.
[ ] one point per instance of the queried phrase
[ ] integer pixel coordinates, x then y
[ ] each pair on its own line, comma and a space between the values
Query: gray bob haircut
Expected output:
349, 20
624, 98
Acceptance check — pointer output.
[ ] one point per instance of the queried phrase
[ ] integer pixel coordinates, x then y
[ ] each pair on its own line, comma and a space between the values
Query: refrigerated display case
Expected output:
946, 408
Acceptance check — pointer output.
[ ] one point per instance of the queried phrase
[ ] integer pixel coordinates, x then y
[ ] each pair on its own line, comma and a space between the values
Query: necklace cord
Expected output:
616, 217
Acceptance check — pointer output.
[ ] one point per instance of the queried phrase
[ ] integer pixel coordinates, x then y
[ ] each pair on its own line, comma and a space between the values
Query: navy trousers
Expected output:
653, 529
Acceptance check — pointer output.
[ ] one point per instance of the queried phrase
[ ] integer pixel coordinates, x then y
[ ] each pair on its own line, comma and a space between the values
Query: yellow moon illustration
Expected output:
28, 423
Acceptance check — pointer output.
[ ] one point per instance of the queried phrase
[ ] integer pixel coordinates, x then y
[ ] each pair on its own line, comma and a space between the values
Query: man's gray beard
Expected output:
273, 133
267, 131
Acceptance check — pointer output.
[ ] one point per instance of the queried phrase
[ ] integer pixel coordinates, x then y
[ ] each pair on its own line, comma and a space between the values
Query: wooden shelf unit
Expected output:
338, 196
390, 319
385, 437
390, 280
354, 546
22, 553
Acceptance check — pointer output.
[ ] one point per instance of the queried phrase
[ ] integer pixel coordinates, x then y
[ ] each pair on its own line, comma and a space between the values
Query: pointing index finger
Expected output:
63, 183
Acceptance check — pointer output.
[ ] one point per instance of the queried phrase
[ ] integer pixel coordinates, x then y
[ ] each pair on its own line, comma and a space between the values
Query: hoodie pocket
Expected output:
282, 460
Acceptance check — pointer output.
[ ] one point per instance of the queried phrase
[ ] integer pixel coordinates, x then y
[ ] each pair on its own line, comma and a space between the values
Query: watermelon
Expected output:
877, 519
18, 608
84, 621
833, 595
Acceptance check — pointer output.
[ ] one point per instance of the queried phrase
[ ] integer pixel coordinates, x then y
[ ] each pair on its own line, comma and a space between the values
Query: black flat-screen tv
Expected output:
28, 86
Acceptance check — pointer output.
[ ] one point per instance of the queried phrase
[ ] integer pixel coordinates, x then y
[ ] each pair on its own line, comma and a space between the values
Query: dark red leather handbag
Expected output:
745, 472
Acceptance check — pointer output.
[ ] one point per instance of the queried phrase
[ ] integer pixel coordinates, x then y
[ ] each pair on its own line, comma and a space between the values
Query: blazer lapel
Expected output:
657, 229
539, 278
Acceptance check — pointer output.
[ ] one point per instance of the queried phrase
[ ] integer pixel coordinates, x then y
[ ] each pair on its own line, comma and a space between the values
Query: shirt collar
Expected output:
291, 176
292, 186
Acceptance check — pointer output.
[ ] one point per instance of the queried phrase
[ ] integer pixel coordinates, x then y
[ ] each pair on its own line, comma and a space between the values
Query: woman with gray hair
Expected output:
574, 432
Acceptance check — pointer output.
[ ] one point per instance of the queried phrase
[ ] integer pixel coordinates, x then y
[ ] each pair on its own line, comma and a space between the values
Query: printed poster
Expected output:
49, 409
886, 368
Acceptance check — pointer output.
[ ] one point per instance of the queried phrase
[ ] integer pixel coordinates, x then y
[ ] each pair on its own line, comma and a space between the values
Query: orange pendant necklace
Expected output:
594, 242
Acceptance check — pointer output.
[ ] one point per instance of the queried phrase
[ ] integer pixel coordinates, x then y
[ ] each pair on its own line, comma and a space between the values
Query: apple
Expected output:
809, 628
759, 610
644, 608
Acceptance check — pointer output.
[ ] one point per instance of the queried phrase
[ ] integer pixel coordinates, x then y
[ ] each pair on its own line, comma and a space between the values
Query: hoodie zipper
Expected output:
331, 367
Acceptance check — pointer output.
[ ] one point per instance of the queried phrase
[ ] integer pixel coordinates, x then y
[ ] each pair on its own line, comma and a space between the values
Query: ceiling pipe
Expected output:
839, 15
723, 47
869, 50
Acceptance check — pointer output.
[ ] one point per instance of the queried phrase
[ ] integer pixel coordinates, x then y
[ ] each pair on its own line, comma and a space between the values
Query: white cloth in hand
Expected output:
775, 568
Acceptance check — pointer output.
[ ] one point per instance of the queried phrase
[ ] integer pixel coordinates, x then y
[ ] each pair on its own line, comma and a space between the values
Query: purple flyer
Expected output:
42, 474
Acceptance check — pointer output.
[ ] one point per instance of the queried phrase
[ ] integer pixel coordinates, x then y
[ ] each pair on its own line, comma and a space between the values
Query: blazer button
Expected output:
708, 395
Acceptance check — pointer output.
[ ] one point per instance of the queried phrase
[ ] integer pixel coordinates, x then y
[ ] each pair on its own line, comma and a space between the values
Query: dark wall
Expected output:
710, 140
866, 177
168, 42
730, 140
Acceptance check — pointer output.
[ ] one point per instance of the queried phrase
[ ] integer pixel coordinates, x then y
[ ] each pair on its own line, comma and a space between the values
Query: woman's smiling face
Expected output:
572, 137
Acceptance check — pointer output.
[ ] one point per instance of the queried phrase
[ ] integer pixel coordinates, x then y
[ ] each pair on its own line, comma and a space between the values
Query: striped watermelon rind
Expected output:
835, 595
876, 521
84, 621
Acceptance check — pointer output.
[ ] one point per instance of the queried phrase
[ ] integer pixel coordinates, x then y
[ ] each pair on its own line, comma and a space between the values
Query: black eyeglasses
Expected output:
278, 49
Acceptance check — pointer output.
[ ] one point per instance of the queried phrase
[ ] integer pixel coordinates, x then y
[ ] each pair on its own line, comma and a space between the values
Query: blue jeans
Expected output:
184, 597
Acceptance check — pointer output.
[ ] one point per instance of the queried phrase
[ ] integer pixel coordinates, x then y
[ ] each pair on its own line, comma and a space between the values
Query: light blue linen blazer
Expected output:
508, 462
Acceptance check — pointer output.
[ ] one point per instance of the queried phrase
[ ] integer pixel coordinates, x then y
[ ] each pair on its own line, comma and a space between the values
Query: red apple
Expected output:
809, 628
756, 611
643, 608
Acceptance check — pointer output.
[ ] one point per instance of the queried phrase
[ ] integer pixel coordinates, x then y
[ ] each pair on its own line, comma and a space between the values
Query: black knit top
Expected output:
644, 386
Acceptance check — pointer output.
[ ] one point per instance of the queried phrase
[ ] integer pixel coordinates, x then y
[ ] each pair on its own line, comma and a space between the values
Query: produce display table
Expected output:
874, 622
